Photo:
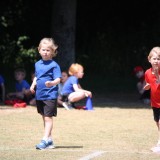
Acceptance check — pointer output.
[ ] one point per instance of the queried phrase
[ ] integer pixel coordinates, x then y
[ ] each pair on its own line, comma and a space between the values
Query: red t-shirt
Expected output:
155, 88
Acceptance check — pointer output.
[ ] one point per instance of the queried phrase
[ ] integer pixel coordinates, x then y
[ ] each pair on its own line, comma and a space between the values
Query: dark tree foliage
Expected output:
114, 37
110, 38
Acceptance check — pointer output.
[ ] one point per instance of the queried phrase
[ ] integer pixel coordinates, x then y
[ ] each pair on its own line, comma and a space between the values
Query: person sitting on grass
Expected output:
144, 94
64, 77
22, 87
71, 91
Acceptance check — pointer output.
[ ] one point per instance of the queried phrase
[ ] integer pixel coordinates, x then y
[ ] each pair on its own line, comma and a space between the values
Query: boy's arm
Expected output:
79, 86
147, 86
33, 85
52, 83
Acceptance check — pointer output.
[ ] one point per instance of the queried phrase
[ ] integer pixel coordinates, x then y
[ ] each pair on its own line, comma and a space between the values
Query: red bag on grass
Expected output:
20, 105
16, 103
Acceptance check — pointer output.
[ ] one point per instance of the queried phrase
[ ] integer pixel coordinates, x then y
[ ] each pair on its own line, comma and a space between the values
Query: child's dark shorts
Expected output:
47, 108
156, 114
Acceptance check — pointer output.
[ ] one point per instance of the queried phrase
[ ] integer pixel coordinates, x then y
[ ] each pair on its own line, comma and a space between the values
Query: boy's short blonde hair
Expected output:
74, 68
154, 50
51, 44
20, 70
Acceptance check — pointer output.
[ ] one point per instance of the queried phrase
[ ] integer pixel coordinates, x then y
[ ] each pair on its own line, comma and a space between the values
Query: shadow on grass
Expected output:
69, 147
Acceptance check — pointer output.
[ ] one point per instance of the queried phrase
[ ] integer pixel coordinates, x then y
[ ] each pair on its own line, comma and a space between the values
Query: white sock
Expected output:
46, 139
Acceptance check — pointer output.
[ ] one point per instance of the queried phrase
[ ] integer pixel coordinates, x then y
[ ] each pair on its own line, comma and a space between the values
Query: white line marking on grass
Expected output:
92, 155
99, 153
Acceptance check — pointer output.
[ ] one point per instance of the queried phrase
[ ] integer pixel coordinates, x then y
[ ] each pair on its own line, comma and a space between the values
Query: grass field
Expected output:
117, 129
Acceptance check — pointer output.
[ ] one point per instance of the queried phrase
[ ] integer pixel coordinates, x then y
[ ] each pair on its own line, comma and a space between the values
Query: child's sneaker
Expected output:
155, 149
50, 144
66, 105
43, 145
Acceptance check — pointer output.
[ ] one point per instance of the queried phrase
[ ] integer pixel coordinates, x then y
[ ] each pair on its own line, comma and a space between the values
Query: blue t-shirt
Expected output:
46, 71
68, 85
1, 80
23, 84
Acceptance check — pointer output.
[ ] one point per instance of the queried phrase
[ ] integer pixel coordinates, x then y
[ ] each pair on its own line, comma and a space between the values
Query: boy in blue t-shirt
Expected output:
22, 87
46, 80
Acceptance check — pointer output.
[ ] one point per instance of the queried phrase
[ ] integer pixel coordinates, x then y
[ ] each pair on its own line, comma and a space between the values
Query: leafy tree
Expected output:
13, 51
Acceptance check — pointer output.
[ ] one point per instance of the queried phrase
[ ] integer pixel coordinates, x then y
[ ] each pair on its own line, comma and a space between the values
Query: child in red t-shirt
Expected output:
152, 78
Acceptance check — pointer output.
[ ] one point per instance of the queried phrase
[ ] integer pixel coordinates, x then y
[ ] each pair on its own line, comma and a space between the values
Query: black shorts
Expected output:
47, 108
65, 98
156, 114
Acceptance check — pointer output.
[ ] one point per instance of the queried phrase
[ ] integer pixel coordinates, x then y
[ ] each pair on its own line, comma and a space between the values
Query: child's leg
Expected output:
156, 114
158, 126
48, 126
76, 96
47, 109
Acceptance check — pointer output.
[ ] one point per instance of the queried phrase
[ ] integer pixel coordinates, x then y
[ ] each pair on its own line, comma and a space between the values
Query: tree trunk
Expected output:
63, 31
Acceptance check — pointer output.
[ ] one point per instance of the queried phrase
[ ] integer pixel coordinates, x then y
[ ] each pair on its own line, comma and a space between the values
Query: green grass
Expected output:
123, 131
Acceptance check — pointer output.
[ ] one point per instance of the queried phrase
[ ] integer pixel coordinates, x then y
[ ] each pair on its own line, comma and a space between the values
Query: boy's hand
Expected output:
52, 83
9, 95
88, 94
27, 92
32, 89
147, 86
48, 83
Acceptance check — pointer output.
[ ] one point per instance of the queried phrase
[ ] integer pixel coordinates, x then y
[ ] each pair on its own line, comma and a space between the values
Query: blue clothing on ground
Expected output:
68, 85
23, 84
46, 71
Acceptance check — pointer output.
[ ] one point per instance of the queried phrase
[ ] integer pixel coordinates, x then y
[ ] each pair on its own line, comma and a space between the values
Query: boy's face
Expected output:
139, 74
155, 60
19, 76
80, 73
45, 52
64, 77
